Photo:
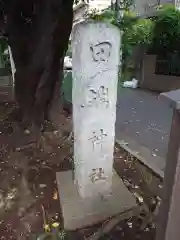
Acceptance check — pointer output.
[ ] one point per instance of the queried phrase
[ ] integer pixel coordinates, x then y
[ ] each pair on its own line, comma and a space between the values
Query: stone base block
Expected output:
79, 213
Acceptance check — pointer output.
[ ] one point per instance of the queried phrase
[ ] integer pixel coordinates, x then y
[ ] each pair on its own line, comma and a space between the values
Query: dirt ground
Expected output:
28, 191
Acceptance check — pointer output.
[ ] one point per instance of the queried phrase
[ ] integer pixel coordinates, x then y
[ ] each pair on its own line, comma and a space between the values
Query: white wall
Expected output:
99, 4
144, 6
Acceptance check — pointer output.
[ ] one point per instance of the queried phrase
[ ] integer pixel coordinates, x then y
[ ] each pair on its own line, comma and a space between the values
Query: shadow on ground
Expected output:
28, 190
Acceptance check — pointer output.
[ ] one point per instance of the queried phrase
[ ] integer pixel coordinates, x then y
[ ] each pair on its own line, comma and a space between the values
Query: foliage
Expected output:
127, 4
167, 30
135, 30
163, 31
52, 230
107, 16
52, 236
4, 54
138, 32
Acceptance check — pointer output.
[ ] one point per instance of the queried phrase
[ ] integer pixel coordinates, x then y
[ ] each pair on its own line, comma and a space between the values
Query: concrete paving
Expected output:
144, 121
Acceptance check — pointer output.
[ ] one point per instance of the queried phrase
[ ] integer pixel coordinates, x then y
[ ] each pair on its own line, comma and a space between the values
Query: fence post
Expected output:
168, 225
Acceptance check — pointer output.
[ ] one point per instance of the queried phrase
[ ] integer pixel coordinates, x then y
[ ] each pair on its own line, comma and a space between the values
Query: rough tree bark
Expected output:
38, 32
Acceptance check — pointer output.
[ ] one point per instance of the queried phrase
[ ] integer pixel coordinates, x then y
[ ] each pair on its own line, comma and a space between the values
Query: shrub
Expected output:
167, 30
139, 32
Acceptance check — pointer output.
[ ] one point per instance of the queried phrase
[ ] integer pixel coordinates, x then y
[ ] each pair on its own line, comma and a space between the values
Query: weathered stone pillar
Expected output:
96, 192
95, 78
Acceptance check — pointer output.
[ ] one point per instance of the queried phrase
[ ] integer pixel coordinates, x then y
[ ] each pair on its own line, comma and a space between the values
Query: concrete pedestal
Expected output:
79, 213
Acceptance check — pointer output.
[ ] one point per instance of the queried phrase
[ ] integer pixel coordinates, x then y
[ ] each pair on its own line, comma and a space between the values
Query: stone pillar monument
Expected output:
96, 55
98, 189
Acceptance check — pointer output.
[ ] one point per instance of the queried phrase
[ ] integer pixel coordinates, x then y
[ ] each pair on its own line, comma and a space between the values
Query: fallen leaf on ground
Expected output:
139, 198
55, 195
55, 225
47, 228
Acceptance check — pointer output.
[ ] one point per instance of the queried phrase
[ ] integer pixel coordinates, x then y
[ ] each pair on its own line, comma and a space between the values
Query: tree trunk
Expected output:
38, 33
